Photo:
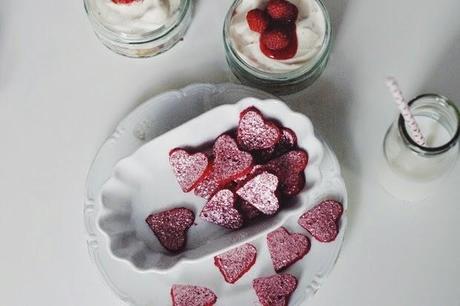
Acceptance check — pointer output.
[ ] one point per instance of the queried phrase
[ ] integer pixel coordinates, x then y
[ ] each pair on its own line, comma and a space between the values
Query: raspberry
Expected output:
258, 20
124, 1
282, 11
275, 39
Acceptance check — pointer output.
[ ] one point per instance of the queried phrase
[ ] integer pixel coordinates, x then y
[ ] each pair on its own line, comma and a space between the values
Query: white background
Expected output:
62, 93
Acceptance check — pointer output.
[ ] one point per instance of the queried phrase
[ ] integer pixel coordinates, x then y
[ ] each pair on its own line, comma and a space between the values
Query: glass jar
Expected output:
410, 171
278, 82
139, 29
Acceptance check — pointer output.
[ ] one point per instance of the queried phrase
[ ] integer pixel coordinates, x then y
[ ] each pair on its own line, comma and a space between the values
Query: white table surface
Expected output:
62, 93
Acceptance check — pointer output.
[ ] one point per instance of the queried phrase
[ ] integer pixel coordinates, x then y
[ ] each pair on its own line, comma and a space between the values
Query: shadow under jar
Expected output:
412, 172
252, 67
141, 28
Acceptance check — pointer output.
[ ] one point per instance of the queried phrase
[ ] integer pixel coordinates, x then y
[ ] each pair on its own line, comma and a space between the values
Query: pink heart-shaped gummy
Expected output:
322, 221
207, 187
186, 295
287, 142
256, 133
229, 163
285, 248
248, 211
289, 168
260, 193
275, 290
189, 169
221, 210
171, 226
235, 263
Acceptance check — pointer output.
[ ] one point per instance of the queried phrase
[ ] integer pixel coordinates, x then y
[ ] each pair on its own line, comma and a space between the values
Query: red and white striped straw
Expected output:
404, 108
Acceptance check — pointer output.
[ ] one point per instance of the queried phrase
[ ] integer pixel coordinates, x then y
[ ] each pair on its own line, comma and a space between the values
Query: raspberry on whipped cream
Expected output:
310, 29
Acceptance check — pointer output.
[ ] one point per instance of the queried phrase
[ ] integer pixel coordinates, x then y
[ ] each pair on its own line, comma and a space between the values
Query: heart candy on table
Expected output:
221, 210
260, 192
255, 132
190, 169
234, 263
187, 295
322, 221
171, 226
286, 248
289, 168
275, 290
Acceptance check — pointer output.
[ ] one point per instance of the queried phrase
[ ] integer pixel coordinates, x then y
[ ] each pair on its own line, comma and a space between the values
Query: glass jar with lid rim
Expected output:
277, 76
143, 28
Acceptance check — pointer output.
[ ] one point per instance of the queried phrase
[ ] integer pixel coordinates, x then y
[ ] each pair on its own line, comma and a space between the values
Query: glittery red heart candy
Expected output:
322, 221
287, 142
229, 163
235, 263
275, 290
170, 227
207, 187
285, 248
221, 210
256, 133
248, 211
260, 193
289, 168
186, 295
190, 169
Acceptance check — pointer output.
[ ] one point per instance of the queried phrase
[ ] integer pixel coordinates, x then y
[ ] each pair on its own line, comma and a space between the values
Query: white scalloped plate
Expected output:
121, 193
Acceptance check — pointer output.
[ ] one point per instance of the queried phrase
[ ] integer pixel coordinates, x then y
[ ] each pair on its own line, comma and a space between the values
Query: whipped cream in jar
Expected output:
139, 28
251, 65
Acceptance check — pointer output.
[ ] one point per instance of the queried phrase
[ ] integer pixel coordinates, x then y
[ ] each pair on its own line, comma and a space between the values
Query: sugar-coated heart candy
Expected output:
186, 295
189, 169
248, 211
256, 169
234, 263
256, 133
322, 220
287, 142
207, 187
260, 192
289, 168
229, 163
171, 226
286, 248
275, 290
221, 210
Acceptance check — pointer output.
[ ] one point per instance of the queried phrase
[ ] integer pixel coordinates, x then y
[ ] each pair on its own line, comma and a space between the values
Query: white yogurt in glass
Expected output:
311, 29
138, 17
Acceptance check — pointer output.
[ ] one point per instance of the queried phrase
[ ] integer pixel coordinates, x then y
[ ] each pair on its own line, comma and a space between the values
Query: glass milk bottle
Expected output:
412, 172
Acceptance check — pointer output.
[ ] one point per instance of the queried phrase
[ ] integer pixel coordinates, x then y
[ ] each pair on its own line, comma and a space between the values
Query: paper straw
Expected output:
404, 108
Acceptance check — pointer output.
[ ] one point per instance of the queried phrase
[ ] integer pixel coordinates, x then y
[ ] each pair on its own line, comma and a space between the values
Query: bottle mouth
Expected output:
449, 110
